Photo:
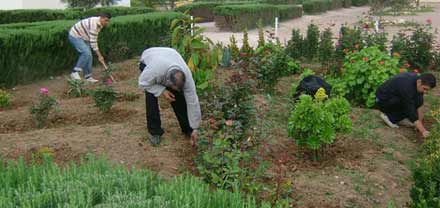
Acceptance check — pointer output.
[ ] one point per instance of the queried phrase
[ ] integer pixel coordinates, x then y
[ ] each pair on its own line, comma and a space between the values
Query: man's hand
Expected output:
169, 96
194, 137
426, 134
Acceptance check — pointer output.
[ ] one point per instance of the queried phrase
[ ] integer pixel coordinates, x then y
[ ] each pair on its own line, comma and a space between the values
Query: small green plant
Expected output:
76, 88
5, 99
272, 63
350, 40
41, 110
104, 98
326, 48
416, 49
295, 46
246, 50
312, 42
376, 39
314, 122
235, 51
363, 72
202, 56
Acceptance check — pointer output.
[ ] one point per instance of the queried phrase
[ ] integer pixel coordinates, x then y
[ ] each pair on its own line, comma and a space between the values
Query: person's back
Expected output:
402, 86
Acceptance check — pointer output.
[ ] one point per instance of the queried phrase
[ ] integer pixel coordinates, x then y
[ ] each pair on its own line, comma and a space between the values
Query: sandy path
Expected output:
333, 19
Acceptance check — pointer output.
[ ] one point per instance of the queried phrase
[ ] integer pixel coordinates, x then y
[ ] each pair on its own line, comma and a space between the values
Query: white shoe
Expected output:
387, 121
75, 76
406, 122
90, 79
77, 69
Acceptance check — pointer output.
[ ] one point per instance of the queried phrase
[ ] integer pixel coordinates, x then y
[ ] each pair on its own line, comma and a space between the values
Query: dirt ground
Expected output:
332, 19
368, 168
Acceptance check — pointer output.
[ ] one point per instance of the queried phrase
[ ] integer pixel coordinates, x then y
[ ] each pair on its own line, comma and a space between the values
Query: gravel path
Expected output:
333, 19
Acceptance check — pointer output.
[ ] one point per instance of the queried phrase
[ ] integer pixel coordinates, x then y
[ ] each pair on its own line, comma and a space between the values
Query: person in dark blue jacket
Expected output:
400, 100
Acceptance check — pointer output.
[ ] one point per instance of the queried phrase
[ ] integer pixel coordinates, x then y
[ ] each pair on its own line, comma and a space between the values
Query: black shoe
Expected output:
155, 140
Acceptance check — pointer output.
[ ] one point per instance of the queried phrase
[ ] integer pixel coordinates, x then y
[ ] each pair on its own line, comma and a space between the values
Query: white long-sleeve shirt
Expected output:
159, 62
88, 30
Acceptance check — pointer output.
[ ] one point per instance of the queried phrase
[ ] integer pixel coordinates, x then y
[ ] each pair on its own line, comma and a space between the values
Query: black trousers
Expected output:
393, 108
154, 123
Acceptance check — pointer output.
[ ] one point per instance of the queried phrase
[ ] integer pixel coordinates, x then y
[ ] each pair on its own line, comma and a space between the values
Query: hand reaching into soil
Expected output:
169, 96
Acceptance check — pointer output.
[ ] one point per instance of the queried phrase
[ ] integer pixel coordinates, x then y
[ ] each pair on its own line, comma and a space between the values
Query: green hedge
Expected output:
286, 12
37, 15
238, 17
38, 50
360, 2
346, 3
316, 6
335, 4
97, 183
205, 10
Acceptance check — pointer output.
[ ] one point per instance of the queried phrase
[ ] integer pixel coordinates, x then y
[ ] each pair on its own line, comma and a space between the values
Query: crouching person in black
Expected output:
400, 99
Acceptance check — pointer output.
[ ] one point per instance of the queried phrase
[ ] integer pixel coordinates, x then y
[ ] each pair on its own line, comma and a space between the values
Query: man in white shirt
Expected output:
164, 72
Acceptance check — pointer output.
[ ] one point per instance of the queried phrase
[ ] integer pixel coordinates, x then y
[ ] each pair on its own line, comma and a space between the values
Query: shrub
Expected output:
203, 10
315, 6
326, 48
76, 88
416, 50
346, 3
96, 182
198, 51
104, 98
286, 12
349, 40
376, 39
295, 46
272, 63
234, 48
335, 4
312, 42
38, 15
360, 2
314, 122
29, 48
238, 17
41, 110
5, 99
364, 72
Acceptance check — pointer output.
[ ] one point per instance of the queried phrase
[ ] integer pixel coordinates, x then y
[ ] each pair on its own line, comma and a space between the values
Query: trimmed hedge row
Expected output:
360, 2
286, 12
37, 15
320, 6
35, 51
205, 10
238, 17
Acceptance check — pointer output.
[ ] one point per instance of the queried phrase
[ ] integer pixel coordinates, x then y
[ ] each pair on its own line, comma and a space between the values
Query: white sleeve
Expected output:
148, 82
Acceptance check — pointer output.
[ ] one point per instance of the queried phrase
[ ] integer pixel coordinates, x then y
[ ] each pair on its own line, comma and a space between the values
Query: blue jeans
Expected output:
85, 59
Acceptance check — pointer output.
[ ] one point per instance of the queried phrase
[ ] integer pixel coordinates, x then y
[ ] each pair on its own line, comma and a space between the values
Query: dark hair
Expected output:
178, 81
428, 79
105, 14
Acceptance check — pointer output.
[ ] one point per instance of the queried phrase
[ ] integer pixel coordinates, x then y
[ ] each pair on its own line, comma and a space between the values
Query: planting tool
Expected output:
106, 68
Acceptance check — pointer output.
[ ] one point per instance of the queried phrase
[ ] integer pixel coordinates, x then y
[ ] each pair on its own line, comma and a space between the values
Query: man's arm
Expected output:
420, 114
192, 103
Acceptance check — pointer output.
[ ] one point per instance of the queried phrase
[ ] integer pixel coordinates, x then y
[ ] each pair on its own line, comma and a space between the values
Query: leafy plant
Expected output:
417, 49
76, 88
312, 42
315, 122
41, 110
310, 125
363, 72
200, 52
246, 50
104, 98
235, 51
272, 63
261, 39
326, 48
376, 39
349, 40
5, 99
295, 46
